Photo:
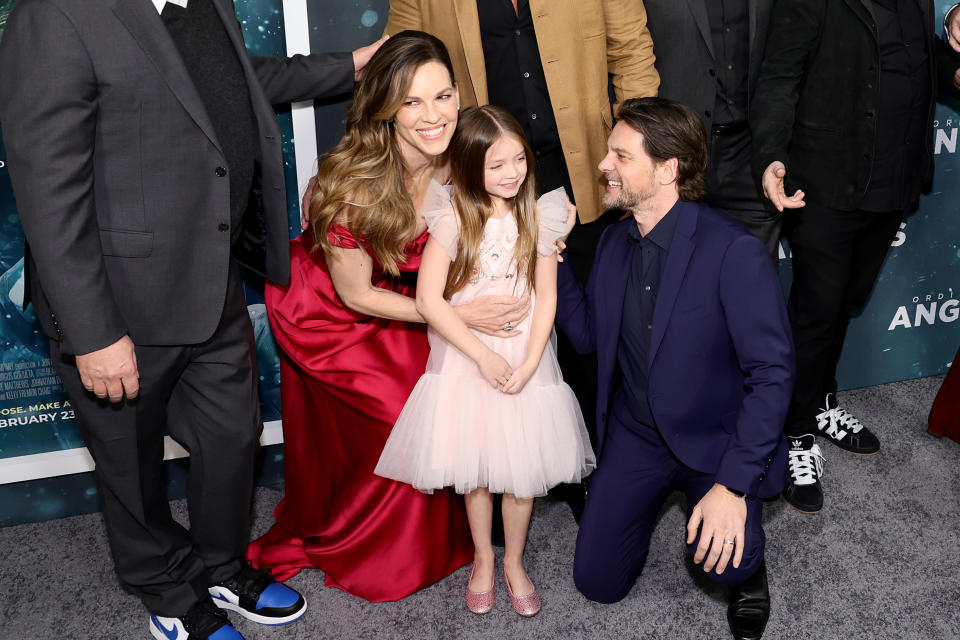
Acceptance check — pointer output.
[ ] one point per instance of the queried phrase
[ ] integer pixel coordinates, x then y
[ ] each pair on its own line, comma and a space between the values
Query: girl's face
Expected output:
504, 169
426, 119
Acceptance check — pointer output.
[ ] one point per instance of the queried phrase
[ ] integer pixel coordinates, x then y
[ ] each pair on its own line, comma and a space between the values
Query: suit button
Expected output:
220, 171
223, 226
712, 72
708, 113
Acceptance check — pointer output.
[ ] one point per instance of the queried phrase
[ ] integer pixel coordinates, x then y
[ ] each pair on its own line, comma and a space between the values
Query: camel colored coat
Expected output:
581, 42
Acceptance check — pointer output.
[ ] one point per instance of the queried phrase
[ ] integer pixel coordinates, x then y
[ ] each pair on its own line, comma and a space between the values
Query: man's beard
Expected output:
627, 200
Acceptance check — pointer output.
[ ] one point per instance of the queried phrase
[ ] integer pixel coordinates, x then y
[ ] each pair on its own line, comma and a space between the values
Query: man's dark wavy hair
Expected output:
671, 130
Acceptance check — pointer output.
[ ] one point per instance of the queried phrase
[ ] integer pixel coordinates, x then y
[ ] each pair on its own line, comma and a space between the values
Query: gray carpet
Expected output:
880, 561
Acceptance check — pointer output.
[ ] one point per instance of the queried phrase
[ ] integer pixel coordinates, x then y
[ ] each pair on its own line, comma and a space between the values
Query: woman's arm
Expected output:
351, 270
544, 311
431, 281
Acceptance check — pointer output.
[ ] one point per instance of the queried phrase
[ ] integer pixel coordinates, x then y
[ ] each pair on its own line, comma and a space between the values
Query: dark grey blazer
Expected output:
119, 176
684, 50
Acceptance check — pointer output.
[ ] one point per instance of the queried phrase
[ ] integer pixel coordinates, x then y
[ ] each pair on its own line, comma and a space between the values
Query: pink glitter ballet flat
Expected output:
528, 605
479, 602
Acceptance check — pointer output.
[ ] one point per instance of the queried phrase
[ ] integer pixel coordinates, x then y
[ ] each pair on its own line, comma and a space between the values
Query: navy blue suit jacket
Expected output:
721, 355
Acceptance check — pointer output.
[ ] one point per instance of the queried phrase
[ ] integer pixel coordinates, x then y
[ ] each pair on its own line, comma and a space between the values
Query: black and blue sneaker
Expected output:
202, 622
256, 596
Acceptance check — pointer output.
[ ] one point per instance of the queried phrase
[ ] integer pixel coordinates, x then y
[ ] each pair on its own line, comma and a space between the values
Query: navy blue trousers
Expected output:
635, 475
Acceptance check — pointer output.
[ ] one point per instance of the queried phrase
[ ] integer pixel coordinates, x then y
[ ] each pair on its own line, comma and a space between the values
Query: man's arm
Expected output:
574, 315
629, 50
794, 32
48, 108
757, 321
304, 77
404, 14
756, 317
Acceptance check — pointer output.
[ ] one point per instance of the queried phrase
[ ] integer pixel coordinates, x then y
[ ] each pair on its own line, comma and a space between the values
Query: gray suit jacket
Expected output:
684, 50
118, 172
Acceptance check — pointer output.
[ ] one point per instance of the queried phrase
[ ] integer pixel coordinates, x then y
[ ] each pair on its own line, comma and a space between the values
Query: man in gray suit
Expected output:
708, 54
145, 157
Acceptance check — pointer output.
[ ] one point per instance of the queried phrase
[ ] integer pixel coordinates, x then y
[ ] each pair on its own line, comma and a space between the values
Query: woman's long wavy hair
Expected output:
479, 128
360, 182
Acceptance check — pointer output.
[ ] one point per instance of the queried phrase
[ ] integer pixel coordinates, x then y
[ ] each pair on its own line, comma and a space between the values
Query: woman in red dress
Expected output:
944, 417
354, 345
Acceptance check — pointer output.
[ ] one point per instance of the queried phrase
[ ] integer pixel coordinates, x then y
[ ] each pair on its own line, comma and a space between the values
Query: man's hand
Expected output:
495, 315
362, 56
305, 203
951, 29
111, 372
772, 181
724, 517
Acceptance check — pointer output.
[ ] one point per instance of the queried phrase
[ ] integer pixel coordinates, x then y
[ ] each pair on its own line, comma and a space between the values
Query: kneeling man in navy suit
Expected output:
685, 312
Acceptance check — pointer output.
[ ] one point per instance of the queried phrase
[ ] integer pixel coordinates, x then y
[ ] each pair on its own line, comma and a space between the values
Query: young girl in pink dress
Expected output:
491, 414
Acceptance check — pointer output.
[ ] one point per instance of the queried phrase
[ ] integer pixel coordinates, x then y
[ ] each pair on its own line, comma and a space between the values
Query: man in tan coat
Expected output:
548, 62
581, 43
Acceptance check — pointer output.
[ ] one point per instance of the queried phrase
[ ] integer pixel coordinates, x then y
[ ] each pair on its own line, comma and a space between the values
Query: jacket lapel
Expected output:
677, 260
699, 10
141, 19
468, 20
864, 10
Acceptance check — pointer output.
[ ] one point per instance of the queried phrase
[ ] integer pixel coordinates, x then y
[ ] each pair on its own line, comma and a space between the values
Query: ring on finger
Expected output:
730, 542
509, 327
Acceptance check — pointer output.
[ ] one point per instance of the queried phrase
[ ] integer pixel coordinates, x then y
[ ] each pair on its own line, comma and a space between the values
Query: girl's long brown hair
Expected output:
360, 182
477, 130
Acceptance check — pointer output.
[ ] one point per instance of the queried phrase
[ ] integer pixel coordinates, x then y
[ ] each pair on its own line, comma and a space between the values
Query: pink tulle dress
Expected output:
456, 430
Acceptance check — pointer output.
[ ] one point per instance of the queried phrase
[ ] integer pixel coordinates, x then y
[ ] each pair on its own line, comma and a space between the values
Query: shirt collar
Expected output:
662, 232
159, 4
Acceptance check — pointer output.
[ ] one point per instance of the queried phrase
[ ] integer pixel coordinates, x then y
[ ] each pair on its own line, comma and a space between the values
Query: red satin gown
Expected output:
345, 378
944, 417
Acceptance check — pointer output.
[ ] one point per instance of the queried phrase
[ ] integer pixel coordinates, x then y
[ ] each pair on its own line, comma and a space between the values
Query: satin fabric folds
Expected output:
345, 378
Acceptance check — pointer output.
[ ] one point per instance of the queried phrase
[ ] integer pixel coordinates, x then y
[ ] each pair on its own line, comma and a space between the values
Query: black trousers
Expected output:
205, 397
837, 256
732, 189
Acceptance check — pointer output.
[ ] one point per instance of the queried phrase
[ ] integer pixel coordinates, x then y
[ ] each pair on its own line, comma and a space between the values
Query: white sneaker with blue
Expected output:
202, 622
256, 596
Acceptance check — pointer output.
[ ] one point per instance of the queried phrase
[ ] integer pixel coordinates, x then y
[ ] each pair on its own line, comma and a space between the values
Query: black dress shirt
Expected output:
648, 258
213, 65
515, 78
905, 85
730, 31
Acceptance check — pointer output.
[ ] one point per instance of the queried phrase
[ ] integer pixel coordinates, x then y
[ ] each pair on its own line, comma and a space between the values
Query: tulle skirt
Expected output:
457, 431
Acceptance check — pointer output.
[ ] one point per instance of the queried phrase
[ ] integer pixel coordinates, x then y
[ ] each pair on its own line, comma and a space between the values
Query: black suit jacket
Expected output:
118, 173
816, 99
683, 48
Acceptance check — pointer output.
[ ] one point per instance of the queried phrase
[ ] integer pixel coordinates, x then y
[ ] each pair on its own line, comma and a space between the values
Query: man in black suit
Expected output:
842, 117
708, 54
145, 157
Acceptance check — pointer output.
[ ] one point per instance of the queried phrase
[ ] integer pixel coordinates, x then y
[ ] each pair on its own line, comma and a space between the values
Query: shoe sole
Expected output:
253, 617
803, 510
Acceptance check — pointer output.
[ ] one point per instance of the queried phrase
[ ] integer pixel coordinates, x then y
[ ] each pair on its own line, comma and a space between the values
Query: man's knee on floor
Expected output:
599, 585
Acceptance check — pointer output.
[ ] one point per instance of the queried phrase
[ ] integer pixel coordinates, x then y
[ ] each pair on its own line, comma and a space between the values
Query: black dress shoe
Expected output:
749, 607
